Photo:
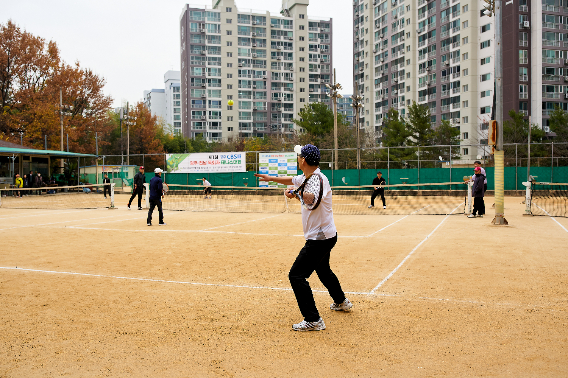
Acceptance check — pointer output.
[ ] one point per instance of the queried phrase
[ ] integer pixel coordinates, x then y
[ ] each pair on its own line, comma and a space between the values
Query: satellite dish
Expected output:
298, 149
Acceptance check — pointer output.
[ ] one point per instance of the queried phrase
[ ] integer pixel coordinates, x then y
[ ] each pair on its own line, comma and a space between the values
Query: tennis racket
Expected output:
310, 192
165, 188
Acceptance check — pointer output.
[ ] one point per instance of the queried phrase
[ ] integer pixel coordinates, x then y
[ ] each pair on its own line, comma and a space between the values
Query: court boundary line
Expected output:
52, 223
412, 252
48, 212
554, 219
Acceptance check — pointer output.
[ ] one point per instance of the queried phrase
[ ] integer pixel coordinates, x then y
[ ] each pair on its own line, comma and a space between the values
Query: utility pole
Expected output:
334, 94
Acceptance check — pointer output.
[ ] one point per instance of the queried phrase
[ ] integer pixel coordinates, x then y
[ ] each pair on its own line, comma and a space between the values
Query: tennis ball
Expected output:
230, 102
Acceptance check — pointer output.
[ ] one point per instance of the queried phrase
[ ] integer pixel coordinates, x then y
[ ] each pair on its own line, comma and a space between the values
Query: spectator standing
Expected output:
478, 192
19, 184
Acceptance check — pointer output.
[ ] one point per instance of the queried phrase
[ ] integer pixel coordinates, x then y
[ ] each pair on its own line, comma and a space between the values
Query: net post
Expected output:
147, 195
112, 197
528, 204
469, 198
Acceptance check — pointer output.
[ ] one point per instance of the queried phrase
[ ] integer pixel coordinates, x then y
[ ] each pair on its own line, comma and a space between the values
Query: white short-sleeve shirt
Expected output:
206, 183
318, 224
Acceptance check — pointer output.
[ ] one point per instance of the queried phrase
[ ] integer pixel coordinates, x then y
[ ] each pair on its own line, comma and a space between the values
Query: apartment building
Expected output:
166, 103
155, 101
535, 64
268, 65
344, 107
439, 53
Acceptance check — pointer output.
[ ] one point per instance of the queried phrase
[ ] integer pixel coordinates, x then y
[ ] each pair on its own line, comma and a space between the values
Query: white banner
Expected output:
279, 165
208, 162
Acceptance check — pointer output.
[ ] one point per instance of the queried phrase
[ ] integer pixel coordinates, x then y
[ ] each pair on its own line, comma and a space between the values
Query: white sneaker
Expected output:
346, 305
384, 207
370, 206
309, 326
139, 208
128, 207
471, 216
161, 224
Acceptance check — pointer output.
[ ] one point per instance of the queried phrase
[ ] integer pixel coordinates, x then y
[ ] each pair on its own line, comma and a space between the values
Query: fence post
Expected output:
419, 164
450, 167
388, 166
552, 162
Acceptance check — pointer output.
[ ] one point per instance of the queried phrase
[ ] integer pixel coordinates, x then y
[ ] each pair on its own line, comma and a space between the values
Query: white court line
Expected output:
411, 252
165, 281
235, 224
48, 224
50, 212
551, 217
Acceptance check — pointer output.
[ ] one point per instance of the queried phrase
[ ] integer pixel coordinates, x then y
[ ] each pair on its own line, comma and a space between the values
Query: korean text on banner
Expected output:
278, 165
206, 162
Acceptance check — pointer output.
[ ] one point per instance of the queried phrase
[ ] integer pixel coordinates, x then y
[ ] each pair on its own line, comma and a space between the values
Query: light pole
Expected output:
357, 105
334, 94
22, 138
68, 111
128, 121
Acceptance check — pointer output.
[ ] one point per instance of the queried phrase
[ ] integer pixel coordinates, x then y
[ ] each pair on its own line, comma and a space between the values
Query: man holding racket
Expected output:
156, 195
379, 190
314, 192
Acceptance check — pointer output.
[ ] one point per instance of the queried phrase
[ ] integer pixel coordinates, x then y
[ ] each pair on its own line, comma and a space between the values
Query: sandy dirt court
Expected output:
97, 293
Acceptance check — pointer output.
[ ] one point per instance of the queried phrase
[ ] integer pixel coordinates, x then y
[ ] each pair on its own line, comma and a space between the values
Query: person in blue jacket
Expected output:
156, 195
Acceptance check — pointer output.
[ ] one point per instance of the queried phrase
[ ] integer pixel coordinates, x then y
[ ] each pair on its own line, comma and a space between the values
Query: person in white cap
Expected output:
156, 195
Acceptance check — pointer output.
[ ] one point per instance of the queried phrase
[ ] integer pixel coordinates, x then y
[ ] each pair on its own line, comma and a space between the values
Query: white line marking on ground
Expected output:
51, 212
411, 252
165, 281
48, 224
394, 222
551, 217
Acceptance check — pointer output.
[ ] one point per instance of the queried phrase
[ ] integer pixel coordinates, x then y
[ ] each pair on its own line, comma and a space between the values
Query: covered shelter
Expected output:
15, 158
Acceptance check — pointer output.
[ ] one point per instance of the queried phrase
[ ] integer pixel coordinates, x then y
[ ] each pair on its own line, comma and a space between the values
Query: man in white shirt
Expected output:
207, 188
321, 236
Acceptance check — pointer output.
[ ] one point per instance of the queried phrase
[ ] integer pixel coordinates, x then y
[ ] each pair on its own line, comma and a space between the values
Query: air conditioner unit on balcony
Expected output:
566, 95
381, 36
278, 58
402, 38
204, 85
254, 87
254, 55
240, 64
290, 78
361, 69
203, 96
254, 22
382, 60
446, 63
203, 52
311, 89
565, 78
264, 77
279, 48
395, 80
546, 129
428, 83
203, 117
526, 24
254, 108
291, 68
322, 60
456, 120
254, 34
203, 30
290, 38
254, 45
278, 99
394, 92
375, 51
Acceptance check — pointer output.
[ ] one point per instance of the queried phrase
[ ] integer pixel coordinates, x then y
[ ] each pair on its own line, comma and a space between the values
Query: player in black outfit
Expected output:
139, 181
379, 180
106, 188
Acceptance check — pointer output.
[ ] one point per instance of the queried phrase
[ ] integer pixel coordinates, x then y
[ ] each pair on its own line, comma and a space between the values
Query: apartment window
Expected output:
301, 16
301, 38
229, 97
229, 129
229, 55
523, 57
465, 88
301, 27
229, 76
302, 59
229, 21
465, 56
302, 69
485, 94
229, 86
465, 135
229, 43
408, 8
485, 44
229, 65
228, 10
302, 80
485, 110
485, 28
485, 77
465, 151
408, 76
229, 107
408, 88
465, 40
229, 119
302, 89
465, 72
229, 32
465, 8
302, 100
465, 119
485, 60
465, 104
302, 49
465, 24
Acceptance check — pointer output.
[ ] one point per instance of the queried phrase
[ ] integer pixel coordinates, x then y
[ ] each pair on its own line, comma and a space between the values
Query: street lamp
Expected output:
128, 121
334, 94
357, 105
67, 111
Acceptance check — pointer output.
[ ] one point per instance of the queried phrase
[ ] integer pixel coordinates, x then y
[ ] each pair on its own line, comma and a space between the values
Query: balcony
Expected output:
550, 25
547, 112
548, 60
444, 34
550, 8
551, 78
523, 78
523, 95
445, 93
552, 95
546, 42
456, 90
456, 75
455, 105
524, 43
431, 11
422, 99
444, 79
523, 8
443, 20
455, 44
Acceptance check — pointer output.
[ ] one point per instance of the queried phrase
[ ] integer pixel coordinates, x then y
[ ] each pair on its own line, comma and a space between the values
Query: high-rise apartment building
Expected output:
268, 65
155, 101
344, 107
439, 53
535, 56
166, 103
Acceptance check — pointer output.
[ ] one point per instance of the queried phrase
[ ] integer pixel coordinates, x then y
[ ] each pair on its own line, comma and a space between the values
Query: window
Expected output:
301, 27
229, 43
229, 86
302, 89
302, 69
485, 110
229, 107
302, 80
229, 65
302, 49
465, 151
302, 100
465, 8
301, 38
229, 32
524, 57
408, 76
229, 118
485, 44
465, 72
465, 88
229, 97
229, 21
465, 104
465, 56
302, 59
465, 40
228, 10
485, 28
485, 94
485, 60
485, 77
465, 135
465, 24
465, 119
229, 55
301, 16
229, 76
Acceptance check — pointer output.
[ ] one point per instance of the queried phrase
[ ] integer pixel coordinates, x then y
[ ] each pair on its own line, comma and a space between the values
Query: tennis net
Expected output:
548, 199
431, 199
89, 196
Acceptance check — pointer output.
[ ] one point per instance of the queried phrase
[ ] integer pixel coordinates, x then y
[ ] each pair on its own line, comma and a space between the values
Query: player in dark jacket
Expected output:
379, 180
106, 188
156, 194
138, 189
478, 191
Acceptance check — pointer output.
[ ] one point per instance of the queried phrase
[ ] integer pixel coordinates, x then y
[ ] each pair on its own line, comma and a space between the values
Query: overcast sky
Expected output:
132, 43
